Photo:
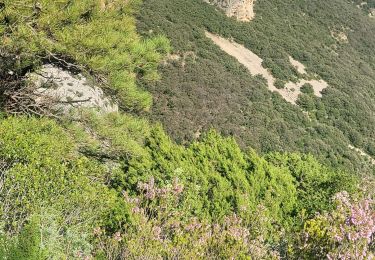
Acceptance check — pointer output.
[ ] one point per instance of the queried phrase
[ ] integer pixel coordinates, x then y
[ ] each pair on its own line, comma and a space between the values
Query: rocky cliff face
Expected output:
242, 10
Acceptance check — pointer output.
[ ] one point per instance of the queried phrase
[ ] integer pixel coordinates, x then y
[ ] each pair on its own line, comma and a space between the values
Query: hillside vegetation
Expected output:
101, 39
267, 183
211, 89
66, 193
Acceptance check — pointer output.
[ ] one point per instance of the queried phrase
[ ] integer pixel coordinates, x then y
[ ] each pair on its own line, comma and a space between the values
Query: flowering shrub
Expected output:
208, 200
161, 230
346, 233
353, 230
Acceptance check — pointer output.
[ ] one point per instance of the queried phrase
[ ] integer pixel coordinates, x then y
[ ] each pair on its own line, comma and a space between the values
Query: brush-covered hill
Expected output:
204, 87
138, 130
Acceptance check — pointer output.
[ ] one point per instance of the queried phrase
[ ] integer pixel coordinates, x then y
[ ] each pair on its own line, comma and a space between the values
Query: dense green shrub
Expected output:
279, 84
316, 184
45, 168
306, 102
115, 186
101, 37
26, 245
220, 178
105, 172
307, 88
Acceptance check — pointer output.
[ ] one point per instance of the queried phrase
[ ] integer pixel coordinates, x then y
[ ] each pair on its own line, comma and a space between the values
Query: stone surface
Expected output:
242, 10
70, 90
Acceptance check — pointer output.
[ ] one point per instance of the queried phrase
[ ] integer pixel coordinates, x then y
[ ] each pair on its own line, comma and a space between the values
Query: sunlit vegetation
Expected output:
272, 180
87, 187
214, 90
100, 37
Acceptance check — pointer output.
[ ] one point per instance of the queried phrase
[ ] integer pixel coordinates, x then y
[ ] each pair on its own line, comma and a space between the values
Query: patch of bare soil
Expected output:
340, 36
254, 64
242, 10
292, 90
298, 65
180, 58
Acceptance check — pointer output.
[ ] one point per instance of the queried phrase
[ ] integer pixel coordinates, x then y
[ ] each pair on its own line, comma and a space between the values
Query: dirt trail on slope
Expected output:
253, 63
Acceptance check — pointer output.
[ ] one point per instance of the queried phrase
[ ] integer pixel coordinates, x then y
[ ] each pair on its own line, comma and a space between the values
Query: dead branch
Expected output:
20, 96
26, 100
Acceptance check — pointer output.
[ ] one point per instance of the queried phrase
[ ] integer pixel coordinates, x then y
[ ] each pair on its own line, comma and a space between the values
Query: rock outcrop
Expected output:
69, 90
242, 10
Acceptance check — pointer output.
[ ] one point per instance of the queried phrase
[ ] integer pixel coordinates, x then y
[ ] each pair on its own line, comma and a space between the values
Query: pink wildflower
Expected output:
117, 236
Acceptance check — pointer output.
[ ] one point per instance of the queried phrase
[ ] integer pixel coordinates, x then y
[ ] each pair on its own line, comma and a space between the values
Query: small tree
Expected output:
307, 88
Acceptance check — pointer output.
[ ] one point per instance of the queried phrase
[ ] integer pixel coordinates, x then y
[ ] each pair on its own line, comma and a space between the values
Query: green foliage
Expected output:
101, 37
115, 186
27, 244
306, 102
43, 237
115, 173
307, 88
220, 178
112, 135
280, 67
214, 90
317, 230
44, 168
279, 84
316, 184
